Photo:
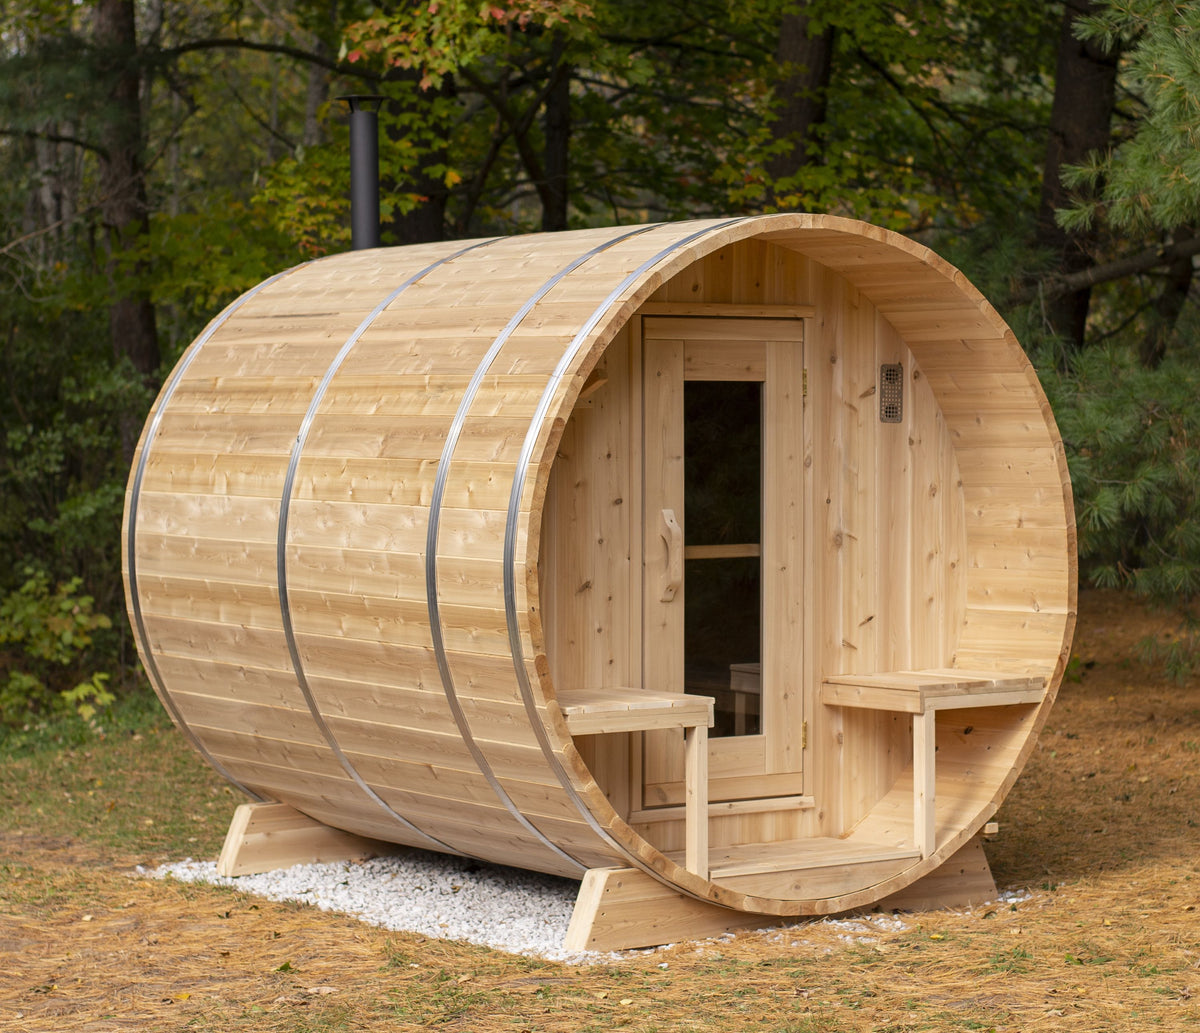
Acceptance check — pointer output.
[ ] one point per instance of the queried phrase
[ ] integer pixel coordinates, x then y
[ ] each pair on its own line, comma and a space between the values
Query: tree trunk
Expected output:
124, 209
1080, 123
1167, 306
807, 63
315, 94
426, 222
557, 126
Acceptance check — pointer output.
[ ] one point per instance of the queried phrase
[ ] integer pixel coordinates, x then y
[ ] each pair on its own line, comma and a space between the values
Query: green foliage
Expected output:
439, 37
918, 138
62, 472
666, 105
195, 262
1133, 448
306, 198
1134, 437
1151, 180
46, 635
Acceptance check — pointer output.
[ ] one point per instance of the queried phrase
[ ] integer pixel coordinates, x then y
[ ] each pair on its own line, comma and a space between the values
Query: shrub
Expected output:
46, 635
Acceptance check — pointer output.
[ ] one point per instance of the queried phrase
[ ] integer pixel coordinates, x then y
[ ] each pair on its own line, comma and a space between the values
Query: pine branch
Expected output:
1143, 261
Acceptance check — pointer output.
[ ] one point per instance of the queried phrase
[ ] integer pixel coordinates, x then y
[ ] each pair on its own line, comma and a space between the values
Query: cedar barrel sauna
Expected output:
726, 566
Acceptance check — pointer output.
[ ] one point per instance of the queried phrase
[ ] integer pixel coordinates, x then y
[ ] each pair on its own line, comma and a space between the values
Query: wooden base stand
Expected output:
623, 908
965, 879
616, 909
266, 836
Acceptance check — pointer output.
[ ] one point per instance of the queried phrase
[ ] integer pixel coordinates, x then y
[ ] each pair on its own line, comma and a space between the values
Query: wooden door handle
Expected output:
672, 534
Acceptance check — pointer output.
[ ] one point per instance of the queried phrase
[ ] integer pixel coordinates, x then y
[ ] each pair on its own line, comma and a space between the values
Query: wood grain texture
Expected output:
266, 836
514, 380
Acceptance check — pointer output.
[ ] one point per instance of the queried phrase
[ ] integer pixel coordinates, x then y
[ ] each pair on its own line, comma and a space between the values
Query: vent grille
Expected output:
891, 393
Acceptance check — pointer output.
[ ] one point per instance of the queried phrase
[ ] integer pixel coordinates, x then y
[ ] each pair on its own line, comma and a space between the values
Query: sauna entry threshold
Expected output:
770, 868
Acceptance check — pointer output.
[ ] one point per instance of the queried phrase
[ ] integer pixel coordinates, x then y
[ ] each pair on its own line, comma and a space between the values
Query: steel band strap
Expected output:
139, 621
431, 548
281, 550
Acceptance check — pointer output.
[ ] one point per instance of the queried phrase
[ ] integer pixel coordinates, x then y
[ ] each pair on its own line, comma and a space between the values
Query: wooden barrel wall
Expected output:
357, 511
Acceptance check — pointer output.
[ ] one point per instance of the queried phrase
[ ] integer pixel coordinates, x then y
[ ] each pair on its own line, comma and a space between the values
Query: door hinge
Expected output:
804, 735
804, 383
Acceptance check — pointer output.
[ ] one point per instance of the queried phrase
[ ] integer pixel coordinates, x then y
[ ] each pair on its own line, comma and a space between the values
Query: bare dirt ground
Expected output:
1099, 837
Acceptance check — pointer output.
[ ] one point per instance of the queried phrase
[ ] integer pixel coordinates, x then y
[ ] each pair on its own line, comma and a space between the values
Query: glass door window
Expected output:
722, 640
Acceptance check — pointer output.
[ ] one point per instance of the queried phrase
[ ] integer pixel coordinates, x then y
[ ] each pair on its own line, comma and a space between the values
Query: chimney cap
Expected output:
362, 101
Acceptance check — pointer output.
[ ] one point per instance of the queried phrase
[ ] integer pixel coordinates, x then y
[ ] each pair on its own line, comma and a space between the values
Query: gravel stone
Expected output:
436, 895
453, 898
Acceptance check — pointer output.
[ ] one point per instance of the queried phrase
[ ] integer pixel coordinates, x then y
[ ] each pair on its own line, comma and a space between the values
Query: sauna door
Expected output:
723, 547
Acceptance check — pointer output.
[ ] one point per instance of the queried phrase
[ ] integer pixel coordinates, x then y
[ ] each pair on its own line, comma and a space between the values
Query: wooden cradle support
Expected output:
622, 908
616, 908
265, 836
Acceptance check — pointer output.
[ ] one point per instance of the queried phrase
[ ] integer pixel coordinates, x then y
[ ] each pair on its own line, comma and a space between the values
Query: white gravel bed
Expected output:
451, 898
436, 895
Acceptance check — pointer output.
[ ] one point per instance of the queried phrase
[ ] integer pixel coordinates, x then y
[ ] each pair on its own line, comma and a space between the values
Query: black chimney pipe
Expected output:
364, 169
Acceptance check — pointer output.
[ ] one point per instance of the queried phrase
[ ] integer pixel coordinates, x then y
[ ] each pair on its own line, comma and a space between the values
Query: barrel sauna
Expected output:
726, 563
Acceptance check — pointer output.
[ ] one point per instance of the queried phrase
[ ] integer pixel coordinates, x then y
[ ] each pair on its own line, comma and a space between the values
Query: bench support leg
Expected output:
696, 800
924, 777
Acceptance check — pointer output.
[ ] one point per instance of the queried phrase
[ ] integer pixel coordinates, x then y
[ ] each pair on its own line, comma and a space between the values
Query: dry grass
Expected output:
1101, 830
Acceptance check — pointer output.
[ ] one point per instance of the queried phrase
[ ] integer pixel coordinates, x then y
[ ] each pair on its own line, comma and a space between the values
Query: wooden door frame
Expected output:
769, 764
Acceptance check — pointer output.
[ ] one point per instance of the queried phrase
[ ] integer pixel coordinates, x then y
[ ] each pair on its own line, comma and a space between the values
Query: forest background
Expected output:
159, 157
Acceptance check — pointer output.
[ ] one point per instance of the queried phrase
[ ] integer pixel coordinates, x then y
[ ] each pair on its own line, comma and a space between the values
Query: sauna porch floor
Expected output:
796, 855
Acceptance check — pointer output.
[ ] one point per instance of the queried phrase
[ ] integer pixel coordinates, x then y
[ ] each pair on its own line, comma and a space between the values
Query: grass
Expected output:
1096, 836
137, 792
1014, 960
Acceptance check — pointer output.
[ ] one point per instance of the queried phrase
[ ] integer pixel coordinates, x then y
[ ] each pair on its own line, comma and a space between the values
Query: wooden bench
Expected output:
608, 710
923, 694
